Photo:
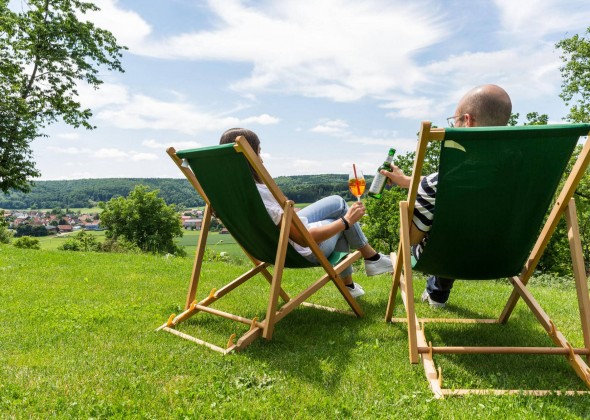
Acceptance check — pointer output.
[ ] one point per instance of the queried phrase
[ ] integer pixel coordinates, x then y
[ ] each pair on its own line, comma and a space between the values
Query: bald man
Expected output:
482, 106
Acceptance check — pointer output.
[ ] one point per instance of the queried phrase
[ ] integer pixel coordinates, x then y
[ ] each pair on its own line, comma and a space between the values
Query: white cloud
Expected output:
68, 150
68, 136
103, 153
535, 19
526, 73
532, 72
129, 28
106, 94
340, 129
178, 145
144, 112
109, 153
137, 157
263, 119
365, 49
358, 51
331, 127
399, 143
410, 107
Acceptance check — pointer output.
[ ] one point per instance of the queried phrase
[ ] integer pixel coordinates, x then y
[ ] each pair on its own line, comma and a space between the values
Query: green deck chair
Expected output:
222, 177
495, 188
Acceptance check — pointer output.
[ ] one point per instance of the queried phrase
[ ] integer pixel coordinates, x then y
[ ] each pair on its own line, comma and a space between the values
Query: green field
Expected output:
216, 241
77, 340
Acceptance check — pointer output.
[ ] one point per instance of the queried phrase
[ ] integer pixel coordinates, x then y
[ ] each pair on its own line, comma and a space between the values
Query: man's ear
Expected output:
469, 120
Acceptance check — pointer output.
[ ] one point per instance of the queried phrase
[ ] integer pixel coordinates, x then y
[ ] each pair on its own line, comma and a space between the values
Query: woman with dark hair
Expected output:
330, 222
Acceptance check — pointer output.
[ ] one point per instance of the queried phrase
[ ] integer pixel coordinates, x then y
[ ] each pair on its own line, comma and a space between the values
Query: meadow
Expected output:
78, 340
216, 241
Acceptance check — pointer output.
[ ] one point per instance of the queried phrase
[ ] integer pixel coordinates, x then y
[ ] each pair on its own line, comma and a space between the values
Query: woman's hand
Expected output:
355, 212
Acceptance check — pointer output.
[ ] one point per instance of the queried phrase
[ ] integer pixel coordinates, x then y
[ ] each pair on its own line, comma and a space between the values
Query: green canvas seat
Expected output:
221, 175
493, 218
225, 177
489, 211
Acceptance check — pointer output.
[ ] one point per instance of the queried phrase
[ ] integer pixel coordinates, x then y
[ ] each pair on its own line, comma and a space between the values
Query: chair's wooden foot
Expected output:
230, 342
433, 375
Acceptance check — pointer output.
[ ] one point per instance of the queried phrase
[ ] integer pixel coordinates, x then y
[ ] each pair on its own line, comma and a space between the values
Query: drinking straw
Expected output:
358, 188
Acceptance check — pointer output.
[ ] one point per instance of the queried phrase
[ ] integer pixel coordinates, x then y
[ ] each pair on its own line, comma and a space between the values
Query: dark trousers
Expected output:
439, 288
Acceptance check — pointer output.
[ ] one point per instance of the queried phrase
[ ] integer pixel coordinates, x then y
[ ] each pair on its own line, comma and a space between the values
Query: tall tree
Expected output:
46, 50
576, 75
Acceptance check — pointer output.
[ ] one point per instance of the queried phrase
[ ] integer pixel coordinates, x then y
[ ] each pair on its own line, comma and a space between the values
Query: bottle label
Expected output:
377, 184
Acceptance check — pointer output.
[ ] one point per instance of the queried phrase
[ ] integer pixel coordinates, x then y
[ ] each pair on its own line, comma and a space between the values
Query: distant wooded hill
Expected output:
82, 193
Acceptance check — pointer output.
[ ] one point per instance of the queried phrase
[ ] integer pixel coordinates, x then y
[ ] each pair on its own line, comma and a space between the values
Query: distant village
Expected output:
54, 223
192, 220
60, 223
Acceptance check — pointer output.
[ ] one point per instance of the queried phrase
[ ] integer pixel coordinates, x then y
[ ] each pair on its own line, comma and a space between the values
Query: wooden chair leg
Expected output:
199, 254
395, 283
279, 265
579, 269
408, 283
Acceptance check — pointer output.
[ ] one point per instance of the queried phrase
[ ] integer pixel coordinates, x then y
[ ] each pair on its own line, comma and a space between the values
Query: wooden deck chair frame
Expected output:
564, 206
274, 311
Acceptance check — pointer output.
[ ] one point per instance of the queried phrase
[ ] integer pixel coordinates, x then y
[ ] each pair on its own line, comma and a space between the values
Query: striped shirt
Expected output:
424, 208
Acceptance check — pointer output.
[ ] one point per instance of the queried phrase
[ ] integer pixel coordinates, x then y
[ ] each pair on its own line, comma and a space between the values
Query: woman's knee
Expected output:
338, 202
331, 207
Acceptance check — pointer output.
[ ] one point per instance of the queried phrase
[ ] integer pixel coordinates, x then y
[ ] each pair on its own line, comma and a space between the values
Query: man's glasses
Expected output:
453, 120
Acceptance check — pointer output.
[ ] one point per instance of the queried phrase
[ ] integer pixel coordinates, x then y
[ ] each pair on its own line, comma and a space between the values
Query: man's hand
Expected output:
397, 177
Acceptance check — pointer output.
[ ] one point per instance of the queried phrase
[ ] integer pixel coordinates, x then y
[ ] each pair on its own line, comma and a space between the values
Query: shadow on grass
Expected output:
501, 371
311, 344
316, 345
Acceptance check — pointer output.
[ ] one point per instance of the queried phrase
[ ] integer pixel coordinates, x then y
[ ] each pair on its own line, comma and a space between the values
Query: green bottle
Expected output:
380, 180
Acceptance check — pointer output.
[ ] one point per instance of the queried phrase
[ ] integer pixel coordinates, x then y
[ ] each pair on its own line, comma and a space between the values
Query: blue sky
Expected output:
323, 83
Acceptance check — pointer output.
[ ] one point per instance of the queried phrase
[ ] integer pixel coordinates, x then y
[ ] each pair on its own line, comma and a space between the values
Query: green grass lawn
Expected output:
77, 340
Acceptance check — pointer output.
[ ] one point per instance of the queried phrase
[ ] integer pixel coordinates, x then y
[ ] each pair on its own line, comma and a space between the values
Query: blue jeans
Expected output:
329, 209
439, 288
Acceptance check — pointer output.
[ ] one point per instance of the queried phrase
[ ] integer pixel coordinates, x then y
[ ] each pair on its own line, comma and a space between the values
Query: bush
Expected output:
83, 241
119, 246
69, 245
382, 225
553, 280
87, 242
214, 256
26, 242
5, 234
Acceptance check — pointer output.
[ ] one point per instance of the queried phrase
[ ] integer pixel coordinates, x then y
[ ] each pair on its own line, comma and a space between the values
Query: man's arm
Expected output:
396, 176
416, 235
